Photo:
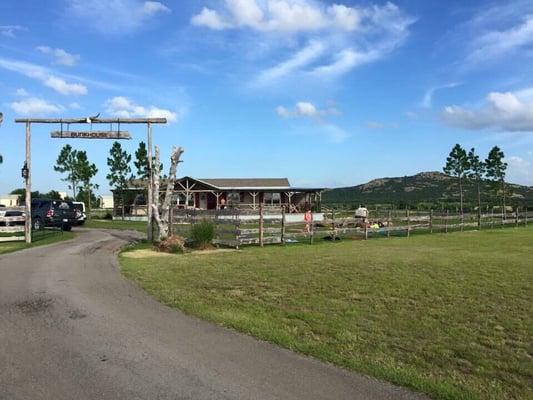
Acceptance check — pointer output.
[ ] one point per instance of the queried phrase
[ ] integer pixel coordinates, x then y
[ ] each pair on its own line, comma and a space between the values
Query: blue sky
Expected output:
326, 93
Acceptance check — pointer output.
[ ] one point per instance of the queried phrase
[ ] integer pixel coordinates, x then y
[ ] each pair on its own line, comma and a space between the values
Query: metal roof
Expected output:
248, 183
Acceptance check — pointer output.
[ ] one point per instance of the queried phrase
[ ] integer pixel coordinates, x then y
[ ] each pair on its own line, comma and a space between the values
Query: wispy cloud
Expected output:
124, 107
116, 16
11, 30
509, 111
46, 77
520, 169
427, 100
331, 40
60, 56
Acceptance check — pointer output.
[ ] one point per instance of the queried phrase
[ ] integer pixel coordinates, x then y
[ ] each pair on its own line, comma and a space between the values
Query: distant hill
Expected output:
425, 187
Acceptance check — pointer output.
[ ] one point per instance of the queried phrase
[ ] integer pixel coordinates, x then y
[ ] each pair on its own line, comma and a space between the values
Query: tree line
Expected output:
79, 172
469, 167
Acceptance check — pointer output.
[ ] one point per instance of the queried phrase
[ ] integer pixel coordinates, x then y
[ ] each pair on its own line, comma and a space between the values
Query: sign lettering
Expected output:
115, 135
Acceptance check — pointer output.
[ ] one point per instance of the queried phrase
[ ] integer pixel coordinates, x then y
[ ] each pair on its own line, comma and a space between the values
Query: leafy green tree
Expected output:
85, 172
457, 165
66, 164
476, 172
496, 171
119, 170
141, 162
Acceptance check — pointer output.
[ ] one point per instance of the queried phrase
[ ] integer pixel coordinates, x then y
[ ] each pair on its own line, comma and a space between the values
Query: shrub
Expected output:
202, 234
174, 244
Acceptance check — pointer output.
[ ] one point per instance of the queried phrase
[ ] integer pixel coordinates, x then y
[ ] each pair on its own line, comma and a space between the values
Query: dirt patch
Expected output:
35, 305
148, 253
145, 253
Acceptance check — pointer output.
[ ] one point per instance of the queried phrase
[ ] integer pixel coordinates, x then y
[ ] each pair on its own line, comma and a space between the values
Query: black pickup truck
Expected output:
57, 213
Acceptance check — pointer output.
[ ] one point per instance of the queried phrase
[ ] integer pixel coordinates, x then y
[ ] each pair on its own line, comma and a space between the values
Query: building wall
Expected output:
9, 200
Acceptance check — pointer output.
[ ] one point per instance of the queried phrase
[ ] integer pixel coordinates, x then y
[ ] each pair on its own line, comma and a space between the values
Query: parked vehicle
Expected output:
10, 212
56, 213
79, 206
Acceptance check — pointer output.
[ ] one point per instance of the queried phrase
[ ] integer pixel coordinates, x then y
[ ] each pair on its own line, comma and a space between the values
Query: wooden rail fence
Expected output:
10, 226
239, 227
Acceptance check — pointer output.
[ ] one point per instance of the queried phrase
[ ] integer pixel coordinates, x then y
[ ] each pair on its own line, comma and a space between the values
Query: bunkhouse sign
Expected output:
115, 135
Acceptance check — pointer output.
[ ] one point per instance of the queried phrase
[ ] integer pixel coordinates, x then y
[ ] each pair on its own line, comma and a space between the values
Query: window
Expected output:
272, 198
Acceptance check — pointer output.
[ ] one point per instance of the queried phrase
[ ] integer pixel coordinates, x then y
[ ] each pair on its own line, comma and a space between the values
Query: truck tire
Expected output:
37, 224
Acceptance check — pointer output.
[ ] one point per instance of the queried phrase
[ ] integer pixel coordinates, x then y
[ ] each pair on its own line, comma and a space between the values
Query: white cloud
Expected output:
330, 40
60, 86
22, 92
305, 109
299, 60
35, 106
427, 100
509, 111
115, 16
10, 30
44, 76
495, 44
123, 107
60, 56
210, 19
74, 106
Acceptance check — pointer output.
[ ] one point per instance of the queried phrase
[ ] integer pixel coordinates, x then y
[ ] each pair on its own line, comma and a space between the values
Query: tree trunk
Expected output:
461, 197
122, 201
503, 195
163, 221
155, 194
478, 203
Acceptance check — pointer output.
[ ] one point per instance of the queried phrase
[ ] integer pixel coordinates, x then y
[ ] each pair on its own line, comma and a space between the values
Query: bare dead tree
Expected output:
163, 219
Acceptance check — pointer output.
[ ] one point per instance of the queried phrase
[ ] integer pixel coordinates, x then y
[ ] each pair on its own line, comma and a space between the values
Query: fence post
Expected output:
446, 221
261, 226
334, 232
388, 223
525, 217
479, 218
282, 225
312, 238
492, 217
431, 221
408, 223
516, 216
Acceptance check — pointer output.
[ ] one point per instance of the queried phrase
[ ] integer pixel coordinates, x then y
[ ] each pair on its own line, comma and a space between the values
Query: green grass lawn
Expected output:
39, 238
448, 315
116, 224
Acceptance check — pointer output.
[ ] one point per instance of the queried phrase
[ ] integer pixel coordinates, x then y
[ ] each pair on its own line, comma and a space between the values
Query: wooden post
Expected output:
312, 228
492, 217
525, 216
27, 223
261, 226
388, 223
366, 228
446, 221
149, 229
431, 221
283, 225
516, 216
408, 224
333, 230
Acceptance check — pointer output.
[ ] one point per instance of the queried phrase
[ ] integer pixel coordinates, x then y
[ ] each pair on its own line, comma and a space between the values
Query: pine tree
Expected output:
119, 170
496, 171
66, 164
457, 165
85, 172
476, 172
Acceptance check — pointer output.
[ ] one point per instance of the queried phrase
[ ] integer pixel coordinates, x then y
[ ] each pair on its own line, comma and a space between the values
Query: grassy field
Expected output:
40, 238
116, 224
448, 315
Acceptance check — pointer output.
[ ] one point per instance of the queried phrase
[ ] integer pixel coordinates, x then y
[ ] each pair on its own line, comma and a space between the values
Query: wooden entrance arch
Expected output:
86, 135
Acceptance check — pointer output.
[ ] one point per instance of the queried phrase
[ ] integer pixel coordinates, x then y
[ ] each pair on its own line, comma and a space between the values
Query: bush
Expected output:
202, 234
174, 244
